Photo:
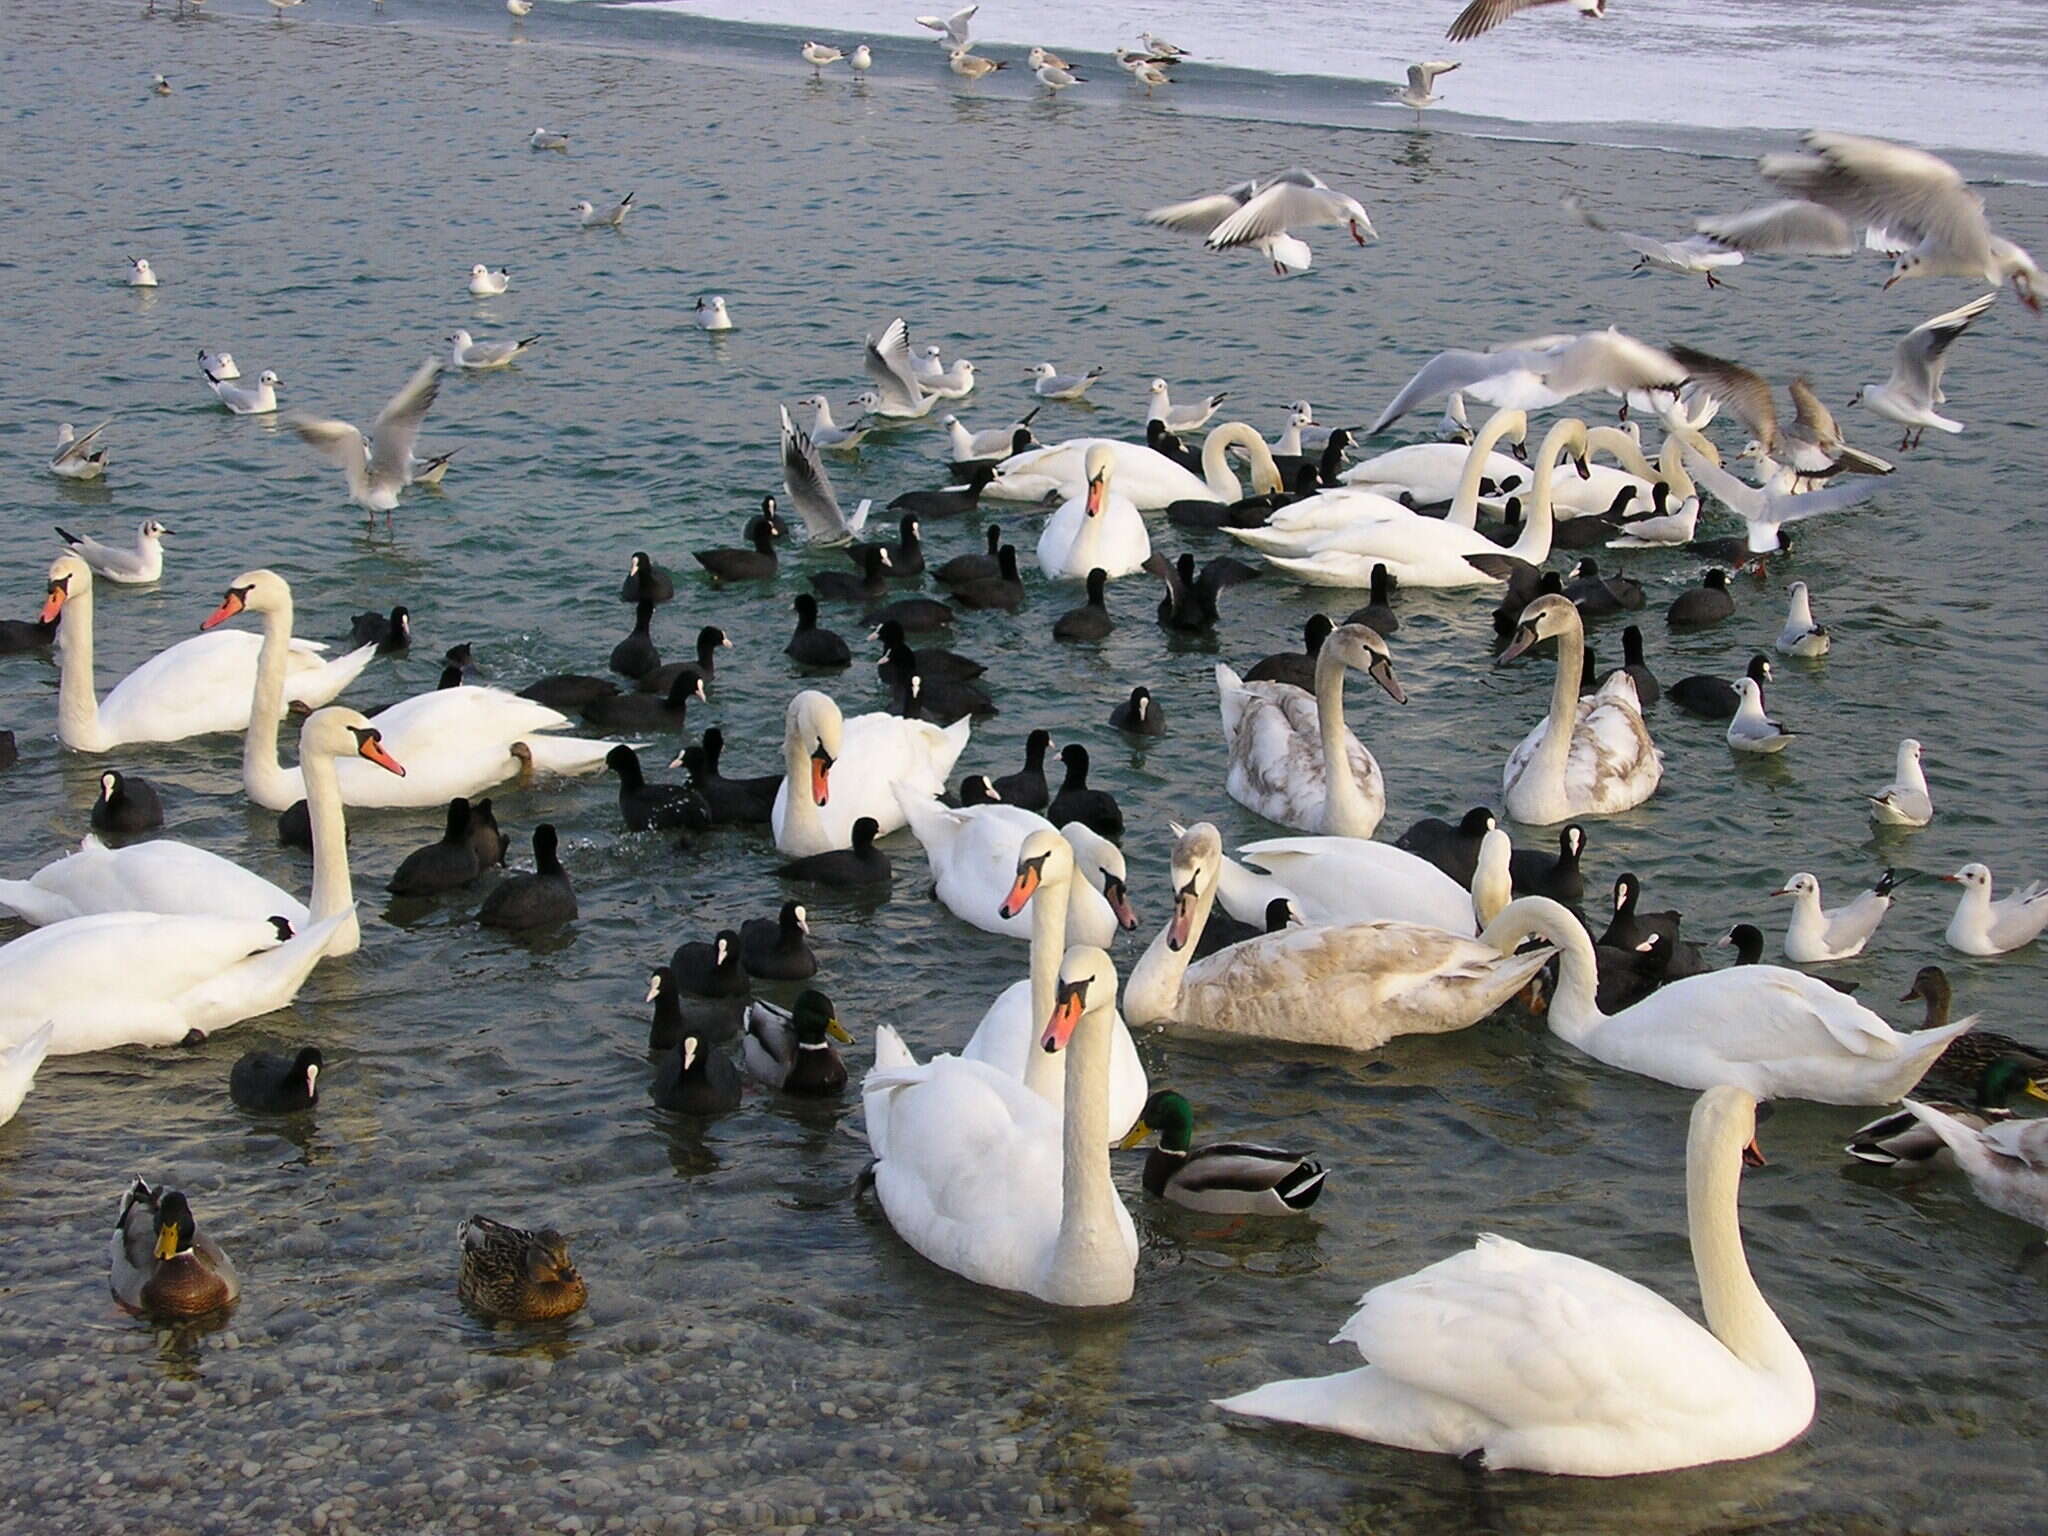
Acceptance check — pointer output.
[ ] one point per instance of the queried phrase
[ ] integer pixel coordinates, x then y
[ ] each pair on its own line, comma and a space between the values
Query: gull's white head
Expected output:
1156, 387
267, 377
1041, 371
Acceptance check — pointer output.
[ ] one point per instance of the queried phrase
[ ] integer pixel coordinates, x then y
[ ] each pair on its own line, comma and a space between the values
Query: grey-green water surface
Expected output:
760, 1348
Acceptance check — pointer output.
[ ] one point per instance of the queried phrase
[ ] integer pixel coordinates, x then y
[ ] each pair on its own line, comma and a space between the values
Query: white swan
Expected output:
1546, 1362
453, 741
1297, 528
195, 688
1355, 987
878, 751
1292, 758
170, 877
1588, 756
972, 851
1771, 1031
1355, 880
142, 978
18, 1064
1430, 552
980, 1175
1097, 529
1430, 472
1148, 478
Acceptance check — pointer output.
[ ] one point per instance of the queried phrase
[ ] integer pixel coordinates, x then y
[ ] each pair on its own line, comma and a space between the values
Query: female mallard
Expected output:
1959, 1070
163, 1265
1230, 1178
791, 1048
514, 1275
1904, 1140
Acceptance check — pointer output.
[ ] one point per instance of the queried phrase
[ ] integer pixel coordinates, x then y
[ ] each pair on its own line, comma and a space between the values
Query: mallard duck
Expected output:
1232, 1177
791, 1048
1904, 1140
163, 1265
1959, 1069
513, 1275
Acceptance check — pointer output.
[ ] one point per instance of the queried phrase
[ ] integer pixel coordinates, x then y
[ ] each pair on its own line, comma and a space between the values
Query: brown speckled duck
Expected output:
514, 1275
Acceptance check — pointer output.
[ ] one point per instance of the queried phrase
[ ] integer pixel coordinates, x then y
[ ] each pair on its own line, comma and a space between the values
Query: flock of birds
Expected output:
994, 1162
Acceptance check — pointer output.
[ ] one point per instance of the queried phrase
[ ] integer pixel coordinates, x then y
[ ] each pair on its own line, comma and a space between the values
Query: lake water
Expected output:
760, 1349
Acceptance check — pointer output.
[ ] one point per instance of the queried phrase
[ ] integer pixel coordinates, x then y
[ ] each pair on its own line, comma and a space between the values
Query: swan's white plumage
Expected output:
878, 752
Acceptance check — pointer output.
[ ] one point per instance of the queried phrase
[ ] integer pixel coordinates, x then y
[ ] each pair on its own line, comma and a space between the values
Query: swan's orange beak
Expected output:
1066, 1013
1118, 895
236, 600
370, 744
1023, 888
1097, 489
821, 776
1753, 1155
60, 589
1183, 918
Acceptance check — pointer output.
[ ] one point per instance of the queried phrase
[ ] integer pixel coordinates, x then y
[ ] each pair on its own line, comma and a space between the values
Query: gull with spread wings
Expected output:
1811, 446
1910, 395
1484, 15
381, 466
810, 489
1540, 372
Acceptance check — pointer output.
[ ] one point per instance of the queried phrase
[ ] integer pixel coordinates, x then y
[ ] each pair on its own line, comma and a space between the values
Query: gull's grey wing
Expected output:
397, 428
1922, 354
1200, 215
1794, 227
1877, 182
810, 488
1484, 15
1744, 390
80, 447
888, 363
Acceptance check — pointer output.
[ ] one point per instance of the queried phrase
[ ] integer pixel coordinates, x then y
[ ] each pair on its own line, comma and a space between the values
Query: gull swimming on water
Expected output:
968, 444
1204, 215
244, 400
76, 458
973, 67
220, 364
810, 489
379, 468
1691, 257
954, 383
1910, 395
485, 283
1484, 15
590, 218
1905, 802
1917, 197
545, 138
887, 361
1417, 93
140, 273
1812, 445
1539, 373
1801, 636
1185, 418
465, 351
1752, 730
952, 29
161, 85
133, 565
1054, 385
711, 313
818, 55
827, 433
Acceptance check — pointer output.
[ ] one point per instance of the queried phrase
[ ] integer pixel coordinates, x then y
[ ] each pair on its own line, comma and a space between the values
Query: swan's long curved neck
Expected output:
1534, 544
1216, 471
802, 826
1574, 1012
1090, 1239
1345, 812
263, 777
78, 706
1563, 720
1152, 990
333, 892
1736, 1310
1464, 511
1045, 1072
1671, 467
1622, 448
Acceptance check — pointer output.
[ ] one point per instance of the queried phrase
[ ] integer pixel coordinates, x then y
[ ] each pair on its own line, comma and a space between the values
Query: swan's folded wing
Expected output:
1528, 1337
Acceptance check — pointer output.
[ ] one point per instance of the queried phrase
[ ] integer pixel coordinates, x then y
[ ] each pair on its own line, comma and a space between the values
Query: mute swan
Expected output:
1773, 1032
1432, 472
453, 741
814, 812
195, 688
1150, 480
142, 978
18, 1064
973, 856
1538, 1360
1096, 530
174, 878
1301, 527
984, 1178
1982, 926
1292, 758
1044, 873
1427, 552
1588, 756
1355, 986
1355, 880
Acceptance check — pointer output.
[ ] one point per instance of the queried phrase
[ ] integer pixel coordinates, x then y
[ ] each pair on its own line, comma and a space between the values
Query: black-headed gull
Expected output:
810, 489
1539, 373
1418, 93
76, 458
1819, 934
711, 313
818, 55
826, 432
1910, 395
133, 565
611, 218
968, 444
1752, 730
547, 138
952, 29
971, 66
486, 283
1040, 57
1179, 418
161, 85
1054, 385
245, 400
1161, 46
1150, 75
379, 468
1812, 445
1055, 79
1693, 256
140, 273
898, 393
519, 9
1295, 198
861, 60
220, 364
1917, 197
1203, 215
1484, 15
1982, 926
465, 351
1906, 801
1801, 636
